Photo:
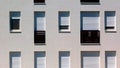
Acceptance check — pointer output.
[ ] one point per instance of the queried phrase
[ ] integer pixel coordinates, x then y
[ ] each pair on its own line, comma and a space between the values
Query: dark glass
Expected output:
90, 36
15, 24
39, 37
112, 27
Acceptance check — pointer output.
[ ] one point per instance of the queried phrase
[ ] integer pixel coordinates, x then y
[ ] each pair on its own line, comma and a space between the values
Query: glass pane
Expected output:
15, 24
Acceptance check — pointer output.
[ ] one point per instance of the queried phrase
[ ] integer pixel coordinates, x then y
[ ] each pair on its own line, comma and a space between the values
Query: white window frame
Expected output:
109, 54
35, 21
85, 54
13, 17
109, 30
11, 55
64, 30
89, 12
60, 58
35, 58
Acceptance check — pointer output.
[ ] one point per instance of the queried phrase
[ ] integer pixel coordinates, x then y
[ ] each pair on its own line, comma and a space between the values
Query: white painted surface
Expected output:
55, 41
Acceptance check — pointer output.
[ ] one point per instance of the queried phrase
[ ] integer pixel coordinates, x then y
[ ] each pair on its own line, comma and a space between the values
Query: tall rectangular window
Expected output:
15, 60
110, 59
90, 59
40, 23
40, 60
90, 27
15, 21
64, 21
110, 21
64, 59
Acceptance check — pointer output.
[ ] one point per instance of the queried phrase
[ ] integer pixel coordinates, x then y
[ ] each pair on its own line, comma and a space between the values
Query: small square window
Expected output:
39, 1
15, 21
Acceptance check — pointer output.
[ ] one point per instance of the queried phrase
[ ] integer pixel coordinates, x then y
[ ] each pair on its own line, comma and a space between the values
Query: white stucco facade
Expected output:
56, 41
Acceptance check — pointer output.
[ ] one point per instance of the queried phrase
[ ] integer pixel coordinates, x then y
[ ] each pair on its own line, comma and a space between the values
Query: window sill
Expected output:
111, 31
15, 31
64, 31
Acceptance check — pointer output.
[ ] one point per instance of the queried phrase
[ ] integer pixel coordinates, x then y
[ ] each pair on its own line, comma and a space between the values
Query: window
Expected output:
40, 60
90, 27
110, 21
110, 59
90, 1
64, 21
39, 1
90, 59
15, 21
39, 33
15, 60
64, 59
